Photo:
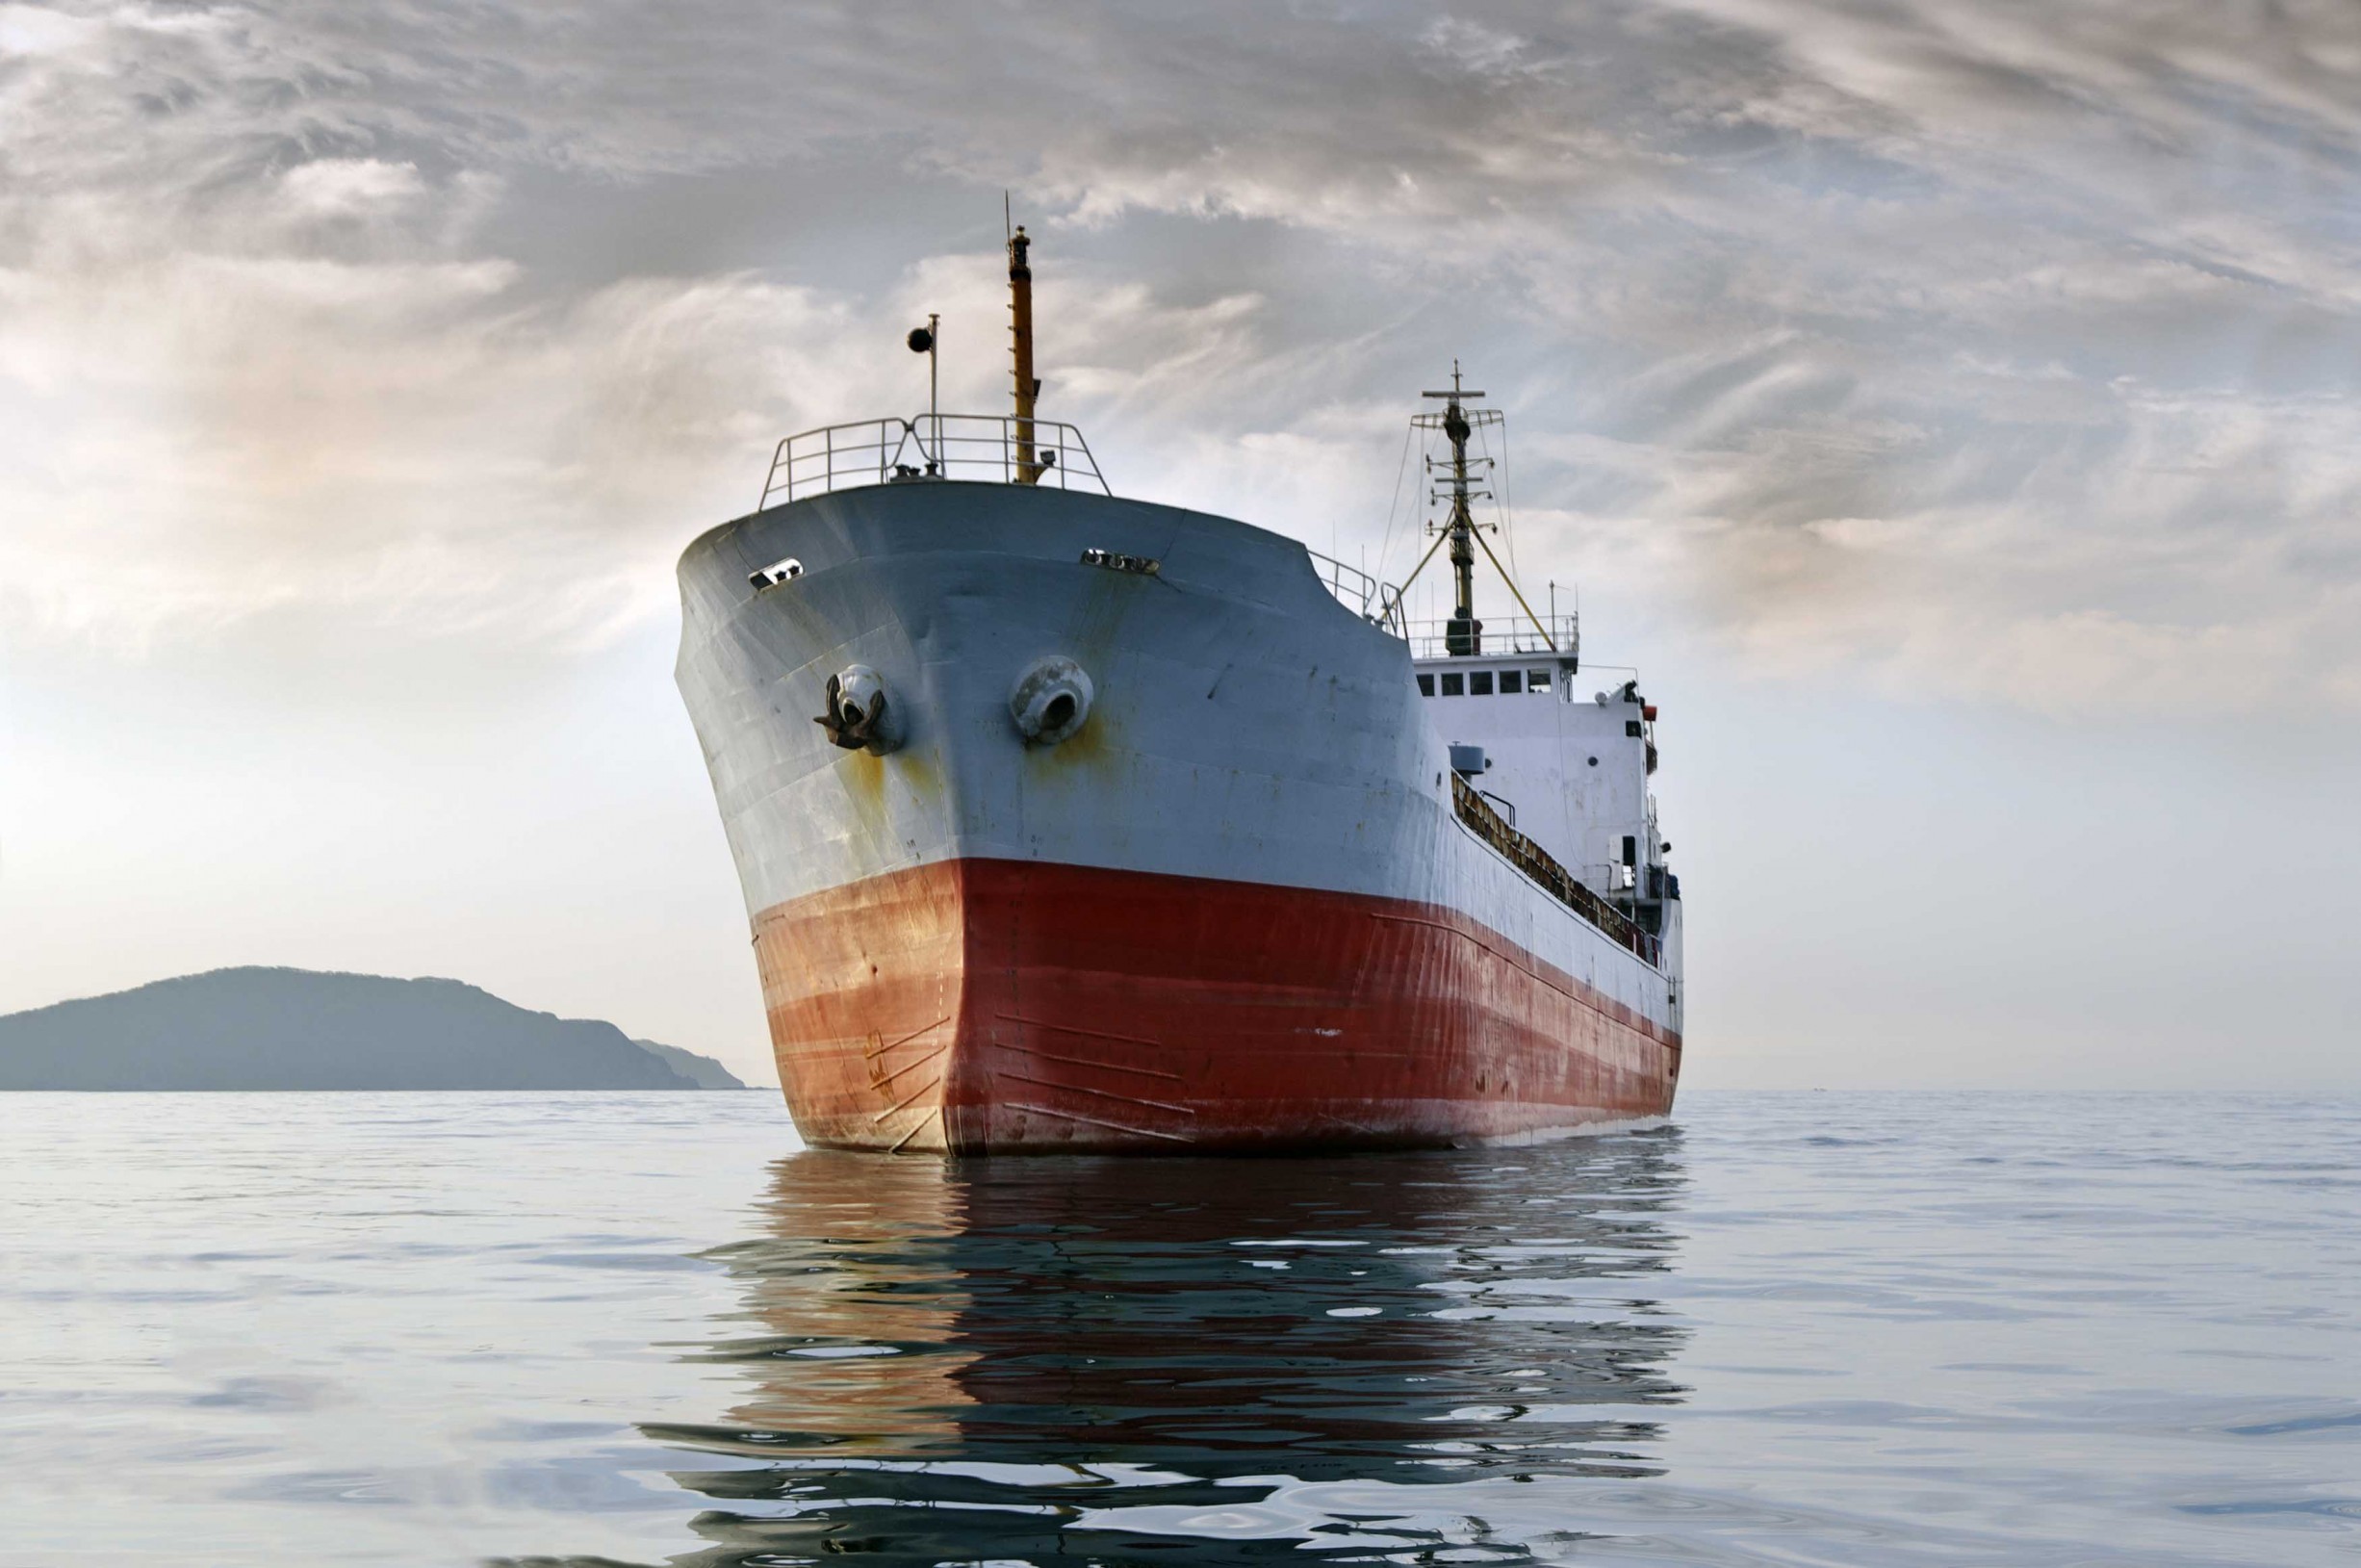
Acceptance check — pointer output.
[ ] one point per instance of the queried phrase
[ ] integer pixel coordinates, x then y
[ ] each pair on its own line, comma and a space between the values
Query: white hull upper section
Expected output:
1243, 724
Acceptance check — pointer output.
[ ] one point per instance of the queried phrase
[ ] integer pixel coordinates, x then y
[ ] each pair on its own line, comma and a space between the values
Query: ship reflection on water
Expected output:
1051, 1359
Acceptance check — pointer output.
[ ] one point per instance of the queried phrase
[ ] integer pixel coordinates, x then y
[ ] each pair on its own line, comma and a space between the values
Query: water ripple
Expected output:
1814, 1330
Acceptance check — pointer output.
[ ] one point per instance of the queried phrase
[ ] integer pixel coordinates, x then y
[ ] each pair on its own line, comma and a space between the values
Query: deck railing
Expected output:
1537, 864
1507, 635
976, 447
1379, 604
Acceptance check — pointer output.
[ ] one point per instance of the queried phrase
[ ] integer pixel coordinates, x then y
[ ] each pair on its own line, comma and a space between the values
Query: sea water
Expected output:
1805, 1328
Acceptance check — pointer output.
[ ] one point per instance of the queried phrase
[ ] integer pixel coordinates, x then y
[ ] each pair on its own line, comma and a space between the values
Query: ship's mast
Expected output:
1020, 333
1464, 633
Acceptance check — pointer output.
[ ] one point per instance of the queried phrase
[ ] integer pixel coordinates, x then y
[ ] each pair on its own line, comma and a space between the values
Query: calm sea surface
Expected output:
1793, 1329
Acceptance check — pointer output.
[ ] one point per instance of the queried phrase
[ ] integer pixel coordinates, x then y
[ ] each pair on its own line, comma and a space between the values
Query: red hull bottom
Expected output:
999, 1006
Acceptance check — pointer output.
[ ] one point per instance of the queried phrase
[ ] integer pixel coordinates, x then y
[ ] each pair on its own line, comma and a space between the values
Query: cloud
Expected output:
334, 187
1982, 351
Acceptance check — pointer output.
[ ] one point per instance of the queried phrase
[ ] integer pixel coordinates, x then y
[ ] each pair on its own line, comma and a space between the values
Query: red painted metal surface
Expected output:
1002, 1006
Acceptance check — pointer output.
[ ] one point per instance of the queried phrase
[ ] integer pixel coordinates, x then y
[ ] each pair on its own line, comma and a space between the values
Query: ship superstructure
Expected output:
1068, 821
1563, 768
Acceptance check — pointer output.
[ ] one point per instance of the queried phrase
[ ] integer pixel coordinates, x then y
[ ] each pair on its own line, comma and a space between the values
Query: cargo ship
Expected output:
1068, 821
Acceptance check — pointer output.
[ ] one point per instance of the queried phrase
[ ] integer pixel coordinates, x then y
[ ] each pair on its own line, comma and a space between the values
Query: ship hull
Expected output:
1236, 910
987, 1005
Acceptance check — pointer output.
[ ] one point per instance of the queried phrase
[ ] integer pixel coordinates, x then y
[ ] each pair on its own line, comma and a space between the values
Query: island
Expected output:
302, 1029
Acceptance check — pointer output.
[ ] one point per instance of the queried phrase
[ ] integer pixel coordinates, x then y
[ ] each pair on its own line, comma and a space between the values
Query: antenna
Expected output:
927, 340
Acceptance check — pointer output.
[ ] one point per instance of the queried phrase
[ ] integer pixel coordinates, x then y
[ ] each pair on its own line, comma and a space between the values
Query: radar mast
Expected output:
1459, 486
1464, 633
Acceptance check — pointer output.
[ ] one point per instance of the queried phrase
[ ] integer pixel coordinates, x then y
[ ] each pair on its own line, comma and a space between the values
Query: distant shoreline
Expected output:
303, 1031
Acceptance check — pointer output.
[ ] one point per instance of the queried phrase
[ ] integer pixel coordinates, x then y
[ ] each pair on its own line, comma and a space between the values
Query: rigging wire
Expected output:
1499, 478
1508, 511
1386, 548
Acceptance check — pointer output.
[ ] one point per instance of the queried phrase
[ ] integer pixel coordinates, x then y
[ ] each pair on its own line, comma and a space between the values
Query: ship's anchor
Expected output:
855, 715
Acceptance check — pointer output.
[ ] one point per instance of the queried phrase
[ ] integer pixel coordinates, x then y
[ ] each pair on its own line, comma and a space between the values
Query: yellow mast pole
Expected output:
1020, 332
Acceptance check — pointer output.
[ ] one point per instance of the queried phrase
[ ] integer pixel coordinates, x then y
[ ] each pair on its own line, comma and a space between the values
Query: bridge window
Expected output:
1537, 680
1508, 683
1454, 684
1480, 682
1426, 685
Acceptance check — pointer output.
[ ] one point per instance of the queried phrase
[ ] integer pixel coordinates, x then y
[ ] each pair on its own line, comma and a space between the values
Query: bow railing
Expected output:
985, 448
1379, 604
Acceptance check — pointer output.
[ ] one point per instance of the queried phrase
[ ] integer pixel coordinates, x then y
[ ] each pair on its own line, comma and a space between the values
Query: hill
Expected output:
297, 1029
702, 1071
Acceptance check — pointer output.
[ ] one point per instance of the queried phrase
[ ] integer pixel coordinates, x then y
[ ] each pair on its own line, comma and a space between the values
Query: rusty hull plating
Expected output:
1013, 1006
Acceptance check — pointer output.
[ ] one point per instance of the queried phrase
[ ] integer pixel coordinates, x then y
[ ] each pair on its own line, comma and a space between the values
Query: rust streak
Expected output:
1073, 1029
1115, 1126
907, 1039
915, 1128
1102, 1093
914, 1062
1087, 1062
1417, 920
906, 1101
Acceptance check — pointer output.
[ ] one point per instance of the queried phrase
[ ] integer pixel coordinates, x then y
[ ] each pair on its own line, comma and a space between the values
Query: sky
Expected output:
1949, 408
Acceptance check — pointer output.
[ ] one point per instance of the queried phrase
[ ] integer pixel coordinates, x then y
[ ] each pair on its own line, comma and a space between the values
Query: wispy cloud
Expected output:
1985, 349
